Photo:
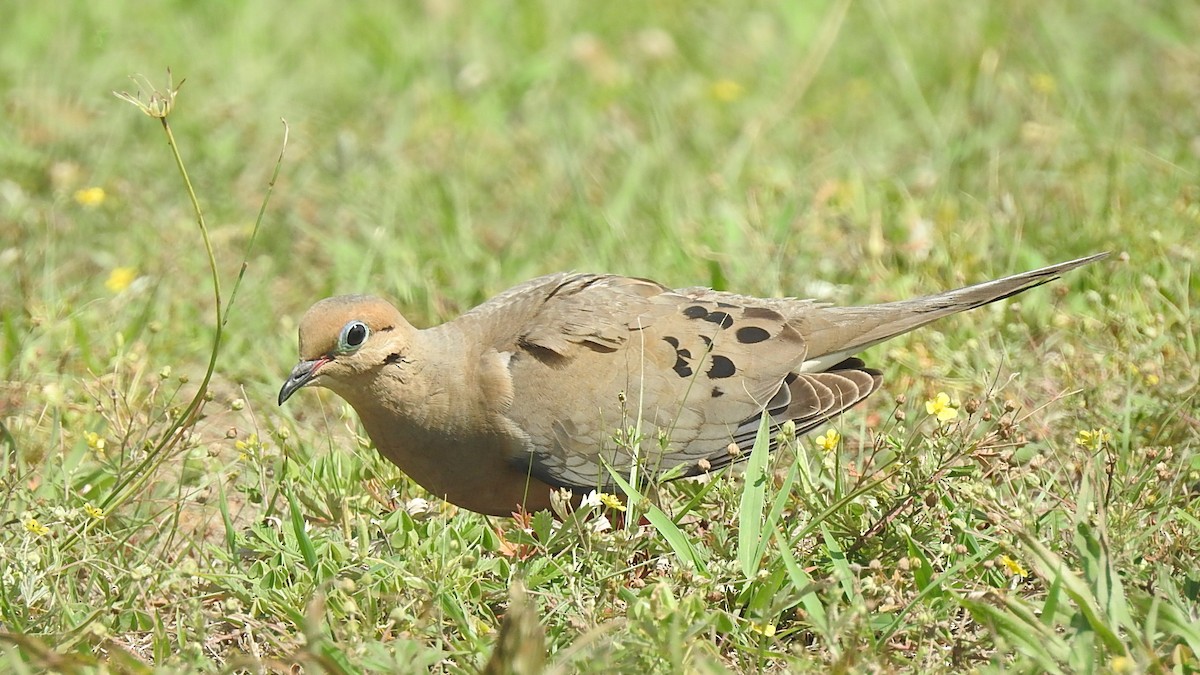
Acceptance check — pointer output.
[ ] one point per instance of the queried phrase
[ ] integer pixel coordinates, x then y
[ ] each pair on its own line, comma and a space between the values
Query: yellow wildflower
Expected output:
1014, 567
942, 407
1093, 439
93, 511
90, 197
243, 447
95, 442
611, 501
726, 91
766, 629
1123, 664
36, 528
120, 278
1043, 83
829, 440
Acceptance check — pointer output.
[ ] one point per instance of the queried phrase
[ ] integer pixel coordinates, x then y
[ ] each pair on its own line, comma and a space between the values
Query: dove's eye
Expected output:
354, 334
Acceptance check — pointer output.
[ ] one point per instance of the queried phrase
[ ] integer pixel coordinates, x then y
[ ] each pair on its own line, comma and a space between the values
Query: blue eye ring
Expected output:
353, 336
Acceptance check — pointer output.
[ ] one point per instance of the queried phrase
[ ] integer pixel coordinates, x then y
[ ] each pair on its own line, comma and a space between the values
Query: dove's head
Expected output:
344, 337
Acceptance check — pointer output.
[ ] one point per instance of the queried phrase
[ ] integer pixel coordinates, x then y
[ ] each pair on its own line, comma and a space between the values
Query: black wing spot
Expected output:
681, 367
673, 341
721, 368
749, 335
695, 312
717, 392
720, 318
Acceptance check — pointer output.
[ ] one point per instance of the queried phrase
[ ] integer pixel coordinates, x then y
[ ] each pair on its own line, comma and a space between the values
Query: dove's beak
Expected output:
302, 374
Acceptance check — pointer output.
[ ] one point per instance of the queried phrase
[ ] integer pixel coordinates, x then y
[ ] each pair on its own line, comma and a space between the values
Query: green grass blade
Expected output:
804, 584
781, 500
1021, 629
750, 511
923, 574
841, 567
307, 550
1050, 607
675, 538
1050, 565
230, 533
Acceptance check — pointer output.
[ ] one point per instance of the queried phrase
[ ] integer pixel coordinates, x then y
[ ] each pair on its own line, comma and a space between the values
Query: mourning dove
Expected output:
539, 387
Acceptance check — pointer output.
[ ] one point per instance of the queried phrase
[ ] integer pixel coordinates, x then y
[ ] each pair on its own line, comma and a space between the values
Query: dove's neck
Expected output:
439, 416
443, 388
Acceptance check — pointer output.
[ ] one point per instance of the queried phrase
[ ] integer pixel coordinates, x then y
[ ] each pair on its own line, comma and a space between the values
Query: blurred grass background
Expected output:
441, 151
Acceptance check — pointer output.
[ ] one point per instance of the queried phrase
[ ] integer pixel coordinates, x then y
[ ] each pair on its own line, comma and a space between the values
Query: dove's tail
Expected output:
840, 332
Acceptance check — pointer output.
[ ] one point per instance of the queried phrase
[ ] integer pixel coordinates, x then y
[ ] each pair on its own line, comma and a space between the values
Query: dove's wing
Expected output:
609, 367
615, 369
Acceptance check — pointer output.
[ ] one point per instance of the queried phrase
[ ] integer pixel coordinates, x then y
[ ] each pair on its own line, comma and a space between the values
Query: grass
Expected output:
438, 153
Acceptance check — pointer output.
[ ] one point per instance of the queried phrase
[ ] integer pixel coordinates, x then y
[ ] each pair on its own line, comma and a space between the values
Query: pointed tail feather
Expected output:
839, 332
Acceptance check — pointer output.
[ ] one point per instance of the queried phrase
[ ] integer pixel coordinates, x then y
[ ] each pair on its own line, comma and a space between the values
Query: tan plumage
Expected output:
533, 389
